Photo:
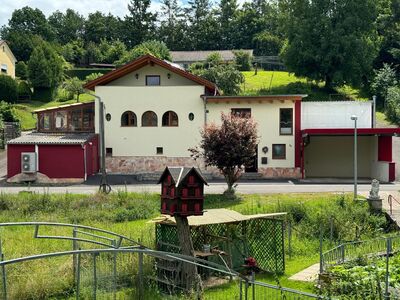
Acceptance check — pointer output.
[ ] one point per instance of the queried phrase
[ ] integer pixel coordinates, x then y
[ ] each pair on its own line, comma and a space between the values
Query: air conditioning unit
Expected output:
28, 162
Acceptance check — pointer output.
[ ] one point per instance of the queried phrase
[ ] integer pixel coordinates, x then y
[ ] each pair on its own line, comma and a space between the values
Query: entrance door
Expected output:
253, 167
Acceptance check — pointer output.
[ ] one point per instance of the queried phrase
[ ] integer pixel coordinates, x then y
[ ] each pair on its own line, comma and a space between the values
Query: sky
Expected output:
84, 7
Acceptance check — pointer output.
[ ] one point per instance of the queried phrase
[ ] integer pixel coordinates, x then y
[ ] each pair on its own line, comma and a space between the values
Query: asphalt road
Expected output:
213, 188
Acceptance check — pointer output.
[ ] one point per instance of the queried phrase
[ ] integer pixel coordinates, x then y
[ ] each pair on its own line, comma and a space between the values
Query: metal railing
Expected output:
392, 199
352, 250
123, 264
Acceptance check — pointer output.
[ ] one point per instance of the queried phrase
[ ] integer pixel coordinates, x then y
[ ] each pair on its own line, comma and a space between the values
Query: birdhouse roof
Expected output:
179, 174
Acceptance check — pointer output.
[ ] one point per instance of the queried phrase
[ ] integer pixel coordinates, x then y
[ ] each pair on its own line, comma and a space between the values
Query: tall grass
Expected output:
129, 213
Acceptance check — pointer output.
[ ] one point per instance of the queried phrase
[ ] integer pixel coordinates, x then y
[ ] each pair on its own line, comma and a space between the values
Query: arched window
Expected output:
149, 119
128, 119
170, 119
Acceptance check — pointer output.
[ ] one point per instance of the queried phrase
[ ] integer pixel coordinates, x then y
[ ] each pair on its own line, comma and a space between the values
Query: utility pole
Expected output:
354, 118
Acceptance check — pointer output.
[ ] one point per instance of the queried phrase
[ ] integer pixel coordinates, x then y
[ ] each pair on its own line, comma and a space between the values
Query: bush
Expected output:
21, 70
393, 104
298, 88
154, 48
7, 112
24, 89
383, 80
83, 73
8, 89
242, 60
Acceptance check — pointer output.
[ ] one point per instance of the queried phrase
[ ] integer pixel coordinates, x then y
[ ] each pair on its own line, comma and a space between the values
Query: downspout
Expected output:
104, 186
84, 160
37, 157
373, 111
205, 110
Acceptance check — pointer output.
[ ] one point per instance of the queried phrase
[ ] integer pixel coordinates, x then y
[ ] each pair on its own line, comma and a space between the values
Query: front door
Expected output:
253, 167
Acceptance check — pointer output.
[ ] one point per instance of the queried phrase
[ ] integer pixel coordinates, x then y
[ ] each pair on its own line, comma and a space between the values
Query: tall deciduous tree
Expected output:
229, 146
330, 40
67, 26
99, 26
139, 24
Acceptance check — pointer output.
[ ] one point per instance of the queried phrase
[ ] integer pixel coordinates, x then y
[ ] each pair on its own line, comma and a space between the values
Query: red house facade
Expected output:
63, 148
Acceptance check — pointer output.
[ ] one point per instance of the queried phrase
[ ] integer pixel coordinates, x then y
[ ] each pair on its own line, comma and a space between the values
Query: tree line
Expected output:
334, 41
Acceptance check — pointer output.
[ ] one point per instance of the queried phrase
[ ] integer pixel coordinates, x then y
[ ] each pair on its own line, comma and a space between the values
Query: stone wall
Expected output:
148, 165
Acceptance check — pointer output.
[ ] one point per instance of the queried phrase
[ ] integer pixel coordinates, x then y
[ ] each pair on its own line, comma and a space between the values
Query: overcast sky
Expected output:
115, 7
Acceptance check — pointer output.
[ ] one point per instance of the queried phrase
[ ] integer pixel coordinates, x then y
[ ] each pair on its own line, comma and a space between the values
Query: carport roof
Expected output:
39, 138
350, 131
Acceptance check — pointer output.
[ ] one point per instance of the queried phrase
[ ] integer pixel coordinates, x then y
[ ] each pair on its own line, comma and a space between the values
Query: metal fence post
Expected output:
388, 251
3, 272
342, 250
253, 275
290, 239
240, 289
78, 275
94, 277
115, 271
74, 247
321, 258
140, 262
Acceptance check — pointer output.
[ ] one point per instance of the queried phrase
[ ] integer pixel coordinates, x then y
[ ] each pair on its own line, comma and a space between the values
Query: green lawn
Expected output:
129, 213
24, 110
280, 82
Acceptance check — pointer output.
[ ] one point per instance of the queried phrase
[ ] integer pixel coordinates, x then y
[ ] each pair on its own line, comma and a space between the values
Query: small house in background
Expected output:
182, 191
7, 60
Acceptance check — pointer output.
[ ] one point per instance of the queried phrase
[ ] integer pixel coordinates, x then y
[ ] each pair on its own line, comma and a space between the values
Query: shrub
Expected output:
21, 70
383, 80
7, 112
393, 104
242, 60
8, 89
298, 88
24, 89
154, 48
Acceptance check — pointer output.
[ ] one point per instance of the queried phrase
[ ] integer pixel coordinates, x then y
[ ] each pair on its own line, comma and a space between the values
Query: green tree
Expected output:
388, 26
154, 48
29, 21
139, 24
172, 25
74, 86
393, 104
67, 26
384, 79
330, 40
242, 60
112, 51
8, 89
99, 26
267, 44
202, 31
228, 10
229, 147
45, 67
74, 52
21, 70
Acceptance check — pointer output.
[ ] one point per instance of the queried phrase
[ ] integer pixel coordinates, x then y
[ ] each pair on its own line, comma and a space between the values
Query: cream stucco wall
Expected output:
266, 115
332, 156
7, 58
130, 79
142, 141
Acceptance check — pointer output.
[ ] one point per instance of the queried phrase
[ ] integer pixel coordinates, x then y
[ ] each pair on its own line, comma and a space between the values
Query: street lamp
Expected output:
354, 118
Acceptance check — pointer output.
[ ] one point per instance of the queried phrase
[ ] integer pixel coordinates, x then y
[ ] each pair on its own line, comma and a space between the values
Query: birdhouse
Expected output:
182, 191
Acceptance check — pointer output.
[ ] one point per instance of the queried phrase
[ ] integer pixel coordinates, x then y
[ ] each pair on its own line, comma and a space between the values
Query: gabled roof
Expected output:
5, 42
143, 61
179, 174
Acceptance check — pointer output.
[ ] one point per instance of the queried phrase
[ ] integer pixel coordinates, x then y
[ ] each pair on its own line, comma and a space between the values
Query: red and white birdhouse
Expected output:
182, 191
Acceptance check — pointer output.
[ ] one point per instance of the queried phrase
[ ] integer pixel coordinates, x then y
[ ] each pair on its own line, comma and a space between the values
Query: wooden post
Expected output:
189, 271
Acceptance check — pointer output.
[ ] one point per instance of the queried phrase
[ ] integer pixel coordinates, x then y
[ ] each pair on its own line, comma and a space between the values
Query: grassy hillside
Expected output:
279, 82
24, 110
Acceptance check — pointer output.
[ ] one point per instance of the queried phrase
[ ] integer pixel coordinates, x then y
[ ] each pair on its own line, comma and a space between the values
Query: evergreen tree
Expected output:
227, 20
139, 25
203, 31
172, 26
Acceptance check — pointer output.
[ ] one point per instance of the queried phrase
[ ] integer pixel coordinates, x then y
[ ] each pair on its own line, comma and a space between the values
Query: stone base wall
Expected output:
141, 164
294, 173
156, 164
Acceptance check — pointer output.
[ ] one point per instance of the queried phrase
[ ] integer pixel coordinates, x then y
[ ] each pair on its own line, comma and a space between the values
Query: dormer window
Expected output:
153, 80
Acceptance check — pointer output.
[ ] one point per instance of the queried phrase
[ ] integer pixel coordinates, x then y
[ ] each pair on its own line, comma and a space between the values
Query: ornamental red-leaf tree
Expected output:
230, 146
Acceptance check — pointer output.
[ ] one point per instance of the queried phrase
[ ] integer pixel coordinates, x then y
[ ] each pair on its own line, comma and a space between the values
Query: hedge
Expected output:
82, 73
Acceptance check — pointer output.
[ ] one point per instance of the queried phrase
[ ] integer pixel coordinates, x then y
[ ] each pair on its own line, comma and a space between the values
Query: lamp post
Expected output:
354, 118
